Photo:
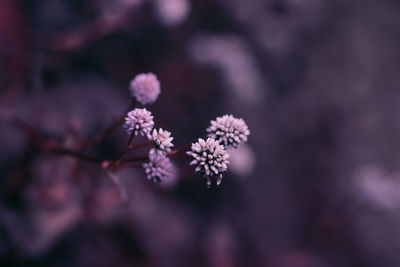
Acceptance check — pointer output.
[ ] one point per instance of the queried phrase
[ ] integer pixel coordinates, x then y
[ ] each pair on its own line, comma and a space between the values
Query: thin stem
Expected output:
125, 165
131, 105
131, 138
109, 129
73, 153
135, 159
100, 136
180, 152
32, 133
133, 166
116, 164
130, 148
179, 156
50, 145
84, 34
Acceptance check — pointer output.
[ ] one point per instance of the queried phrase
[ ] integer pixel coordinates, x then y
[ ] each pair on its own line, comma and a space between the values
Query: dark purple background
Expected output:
317, 81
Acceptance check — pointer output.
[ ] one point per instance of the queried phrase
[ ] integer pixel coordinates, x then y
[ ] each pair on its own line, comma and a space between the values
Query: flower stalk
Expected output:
209, 156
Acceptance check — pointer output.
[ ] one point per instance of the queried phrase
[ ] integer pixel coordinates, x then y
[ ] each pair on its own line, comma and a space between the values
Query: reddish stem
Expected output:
130, 148
33, 134
180, 152
135, 159
70, 152
131, 138
114, 165
106, 131
100, 136
50, 145
126, 165
84, 34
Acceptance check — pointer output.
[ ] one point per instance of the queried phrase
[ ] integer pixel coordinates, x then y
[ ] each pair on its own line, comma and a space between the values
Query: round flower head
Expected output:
172, 180
139, 121
162, 140
210, 159
228, 131
145, 88
158, 168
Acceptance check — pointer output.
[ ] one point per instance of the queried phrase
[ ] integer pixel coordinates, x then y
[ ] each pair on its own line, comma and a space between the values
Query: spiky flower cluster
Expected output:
145, 87
228, 131
139, 121
210, 159
210, 156
162, 141
158, 168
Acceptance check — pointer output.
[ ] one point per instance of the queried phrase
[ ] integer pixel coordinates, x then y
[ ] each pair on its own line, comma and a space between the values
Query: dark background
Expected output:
317, 81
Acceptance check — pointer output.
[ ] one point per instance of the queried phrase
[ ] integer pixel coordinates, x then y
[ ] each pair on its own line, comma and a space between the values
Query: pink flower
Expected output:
228, 131
162, 141
145, 88
210, 159
139, 121
158, 168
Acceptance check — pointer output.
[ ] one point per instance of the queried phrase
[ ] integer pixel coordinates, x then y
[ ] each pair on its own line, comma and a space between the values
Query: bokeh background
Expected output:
317, 81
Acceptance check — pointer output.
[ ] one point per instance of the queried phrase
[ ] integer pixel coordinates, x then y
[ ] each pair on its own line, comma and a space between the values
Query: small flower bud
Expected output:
145, 88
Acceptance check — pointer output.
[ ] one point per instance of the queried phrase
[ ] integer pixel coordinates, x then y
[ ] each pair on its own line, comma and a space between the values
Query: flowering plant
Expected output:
209, 155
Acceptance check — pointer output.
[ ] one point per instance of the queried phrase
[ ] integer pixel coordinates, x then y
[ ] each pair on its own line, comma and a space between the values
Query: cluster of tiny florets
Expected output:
210, 158
158, 168
228, 131
139, 121
162, 140
145, 87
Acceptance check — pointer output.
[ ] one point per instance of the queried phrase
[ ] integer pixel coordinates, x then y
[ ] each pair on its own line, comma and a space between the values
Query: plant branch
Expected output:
135, 159
100, 136
60, 150
125, 165
180, 152
84, 34
130, 148
50, 145
109, 129
131, 138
